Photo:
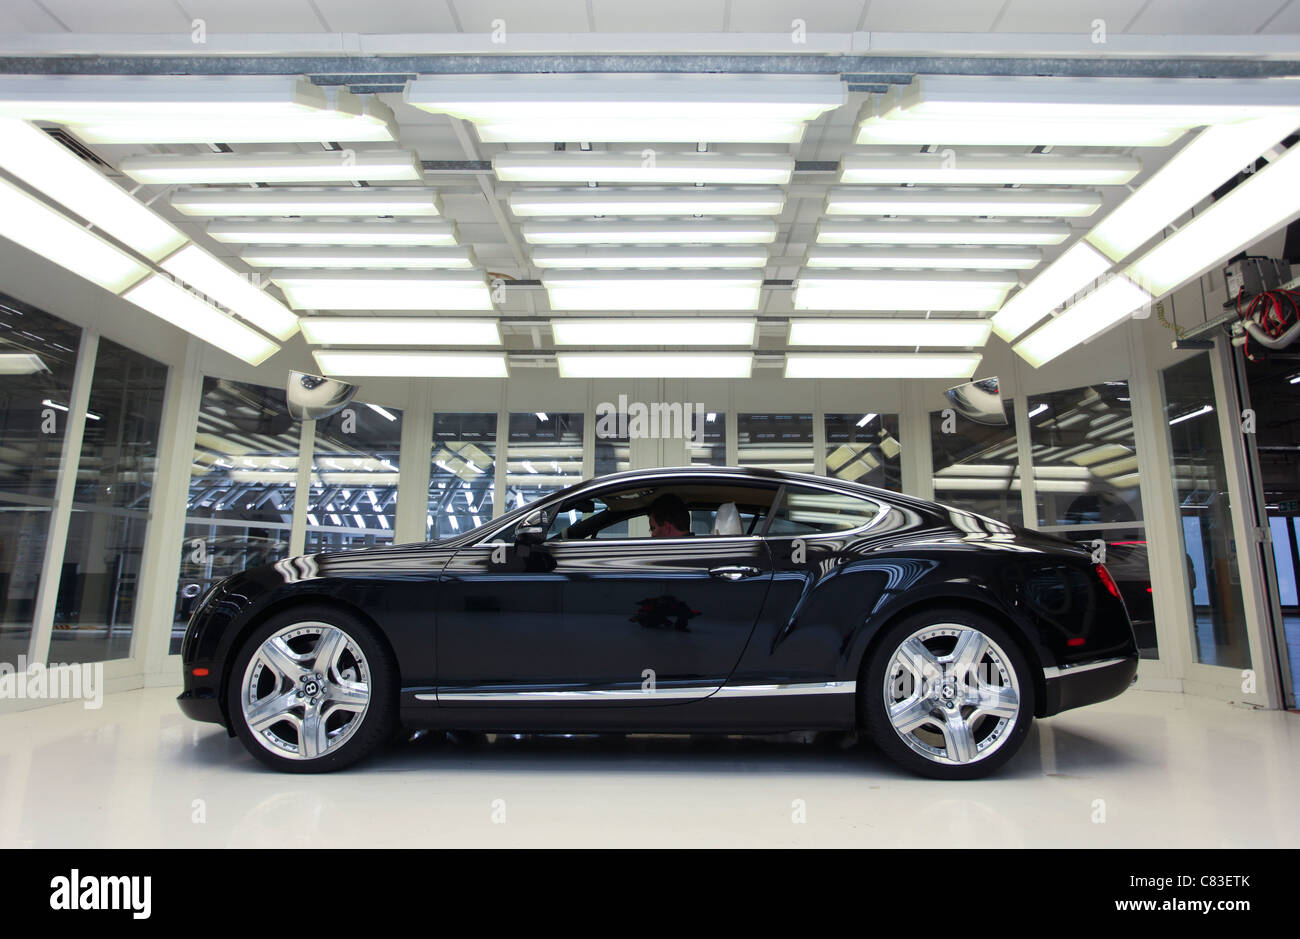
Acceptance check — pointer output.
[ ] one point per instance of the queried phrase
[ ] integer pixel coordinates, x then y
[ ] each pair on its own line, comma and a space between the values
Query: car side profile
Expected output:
776, 602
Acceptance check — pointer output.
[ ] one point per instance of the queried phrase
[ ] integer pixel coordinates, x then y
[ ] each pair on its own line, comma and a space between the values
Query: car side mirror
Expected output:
532, 530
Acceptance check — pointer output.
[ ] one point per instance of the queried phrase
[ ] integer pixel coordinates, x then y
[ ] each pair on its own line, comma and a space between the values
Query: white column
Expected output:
917, 463
414, 466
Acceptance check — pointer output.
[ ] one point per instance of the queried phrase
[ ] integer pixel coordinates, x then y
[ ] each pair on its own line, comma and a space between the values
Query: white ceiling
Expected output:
1143, 17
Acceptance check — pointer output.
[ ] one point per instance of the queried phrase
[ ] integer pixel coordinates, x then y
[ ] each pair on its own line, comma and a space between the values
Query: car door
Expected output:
601, 621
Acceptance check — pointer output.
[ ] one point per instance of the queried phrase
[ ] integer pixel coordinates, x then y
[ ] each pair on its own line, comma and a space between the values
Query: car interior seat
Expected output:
727, 521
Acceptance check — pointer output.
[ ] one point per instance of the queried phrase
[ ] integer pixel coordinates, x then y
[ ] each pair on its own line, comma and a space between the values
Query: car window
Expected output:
710, 510
808, 511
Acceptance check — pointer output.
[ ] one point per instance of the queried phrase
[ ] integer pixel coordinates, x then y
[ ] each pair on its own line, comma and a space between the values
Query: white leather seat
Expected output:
727, 521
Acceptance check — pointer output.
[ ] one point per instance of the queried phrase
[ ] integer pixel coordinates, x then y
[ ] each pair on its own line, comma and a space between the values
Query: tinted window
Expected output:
712, 510
806, 511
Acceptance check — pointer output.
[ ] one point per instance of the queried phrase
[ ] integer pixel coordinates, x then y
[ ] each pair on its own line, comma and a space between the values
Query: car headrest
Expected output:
727, 521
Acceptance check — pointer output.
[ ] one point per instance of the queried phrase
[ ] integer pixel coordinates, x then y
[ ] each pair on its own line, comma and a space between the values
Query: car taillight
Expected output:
1108, 581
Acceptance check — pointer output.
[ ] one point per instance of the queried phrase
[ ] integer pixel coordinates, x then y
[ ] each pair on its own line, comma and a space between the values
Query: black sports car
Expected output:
710, 600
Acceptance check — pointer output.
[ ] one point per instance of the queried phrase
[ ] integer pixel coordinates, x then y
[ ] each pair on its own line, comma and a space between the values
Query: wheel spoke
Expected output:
281, 659
312, 738
329, 647
966, 655
270, 710
958, 739
349, 696
998, 702
907, 716
920, 661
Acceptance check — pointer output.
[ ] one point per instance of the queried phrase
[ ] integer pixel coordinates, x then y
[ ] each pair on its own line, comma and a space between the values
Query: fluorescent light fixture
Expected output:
21, 363
866, 419
752, 231
326, 166
173, 303
562, 203
951, 257
286, 202
90, 415
1102, 308
41, 161
388, 416
971, 169
965, 232
72, 99
652, 290
574, 166
882, 365
39, 228
627, 108
899, 290
348, 117
654, 364
639, 331
400, 364
237, 293
1217, 154
994, 202
399, 331
396, 234
1038, 410
384, 290
1264, 202
363, 257
667, 257
1078, 267
1010, 132
892, 332
1204, 409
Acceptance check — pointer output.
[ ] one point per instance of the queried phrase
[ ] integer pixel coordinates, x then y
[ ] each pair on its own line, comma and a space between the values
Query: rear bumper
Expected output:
1087, 683
201, 705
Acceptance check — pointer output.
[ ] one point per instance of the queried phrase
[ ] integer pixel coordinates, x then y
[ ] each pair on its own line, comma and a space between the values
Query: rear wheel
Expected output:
311, 690
948, 694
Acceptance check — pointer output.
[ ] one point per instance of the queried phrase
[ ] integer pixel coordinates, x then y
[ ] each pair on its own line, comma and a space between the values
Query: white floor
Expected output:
1146, 769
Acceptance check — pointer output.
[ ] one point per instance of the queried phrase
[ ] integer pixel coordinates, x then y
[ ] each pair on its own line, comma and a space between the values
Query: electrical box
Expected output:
1249, 276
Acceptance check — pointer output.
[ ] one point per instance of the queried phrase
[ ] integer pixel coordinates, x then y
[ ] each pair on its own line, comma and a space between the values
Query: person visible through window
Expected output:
669, 517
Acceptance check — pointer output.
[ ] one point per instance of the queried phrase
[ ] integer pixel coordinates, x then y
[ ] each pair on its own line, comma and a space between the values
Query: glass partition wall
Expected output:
355, 465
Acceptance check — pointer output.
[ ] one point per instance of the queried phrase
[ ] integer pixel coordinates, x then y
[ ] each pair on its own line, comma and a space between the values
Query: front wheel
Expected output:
311, 690
948, 694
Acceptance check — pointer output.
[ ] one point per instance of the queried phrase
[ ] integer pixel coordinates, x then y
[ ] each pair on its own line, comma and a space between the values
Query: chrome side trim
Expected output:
812, 687
1052, 672
634, 694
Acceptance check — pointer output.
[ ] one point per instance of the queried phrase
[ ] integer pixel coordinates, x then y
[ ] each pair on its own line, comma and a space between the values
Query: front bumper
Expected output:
1074, 686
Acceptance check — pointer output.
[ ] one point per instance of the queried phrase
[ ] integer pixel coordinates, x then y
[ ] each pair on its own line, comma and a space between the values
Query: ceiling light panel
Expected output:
960, 202
653, 332
71, 99
642, 167
894, 332
31, 223
326, 166
654, 365
1078, 267
625, 108
951, 257
237, 293
754, 231
898, 290
173, 303
965, 232
570, 203
652, 290
400, 364
400, 331
966, 169
882, 365
1093, 314
384, 290
1263, 203
21, 363
41, 161
667, 257
379, 233
328, 202
388, 258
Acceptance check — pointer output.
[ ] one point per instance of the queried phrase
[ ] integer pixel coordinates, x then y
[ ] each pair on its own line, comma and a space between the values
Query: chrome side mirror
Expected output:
532, 530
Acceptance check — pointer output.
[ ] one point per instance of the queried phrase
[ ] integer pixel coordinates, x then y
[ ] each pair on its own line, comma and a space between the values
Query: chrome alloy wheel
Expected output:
305, 690
951, 694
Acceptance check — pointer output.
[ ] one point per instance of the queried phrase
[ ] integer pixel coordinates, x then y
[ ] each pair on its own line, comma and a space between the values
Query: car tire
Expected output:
299, 707
939, 715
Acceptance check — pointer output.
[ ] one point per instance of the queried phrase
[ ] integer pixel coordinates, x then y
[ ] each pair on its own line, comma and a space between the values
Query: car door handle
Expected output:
734, 573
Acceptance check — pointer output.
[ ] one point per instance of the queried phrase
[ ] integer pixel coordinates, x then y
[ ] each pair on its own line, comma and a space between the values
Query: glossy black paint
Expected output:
472, 614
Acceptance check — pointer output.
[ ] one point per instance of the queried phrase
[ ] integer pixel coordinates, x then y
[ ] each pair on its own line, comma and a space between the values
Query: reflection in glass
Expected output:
776, 441
22, 552
115, 475
864, 448
613, 449
353, 497
976, 466
708, 447
545, 455
1200, 480
462, 481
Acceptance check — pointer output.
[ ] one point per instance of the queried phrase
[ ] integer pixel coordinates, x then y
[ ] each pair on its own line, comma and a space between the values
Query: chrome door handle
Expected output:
734, 573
